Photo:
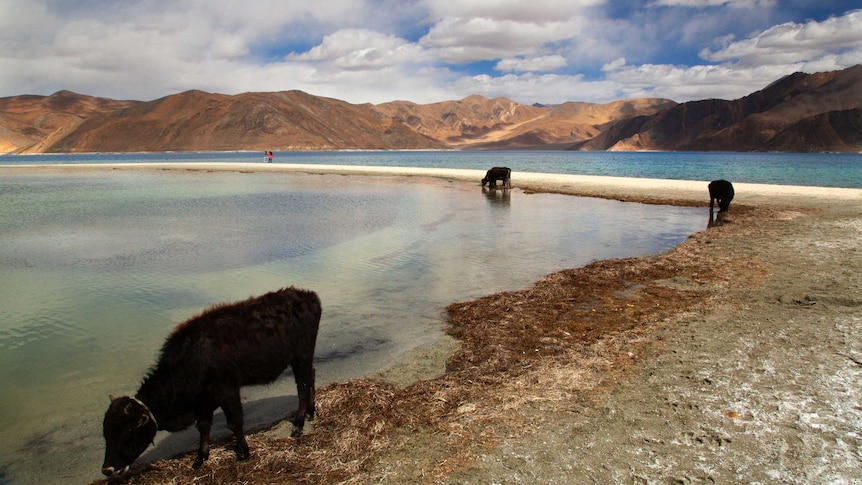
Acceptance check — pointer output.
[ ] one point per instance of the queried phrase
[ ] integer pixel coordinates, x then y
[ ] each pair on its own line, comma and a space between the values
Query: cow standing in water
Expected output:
202, 366
722, 191
503, 174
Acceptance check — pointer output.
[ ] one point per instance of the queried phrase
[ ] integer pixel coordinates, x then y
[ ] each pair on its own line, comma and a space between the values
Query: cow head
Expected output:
129, 428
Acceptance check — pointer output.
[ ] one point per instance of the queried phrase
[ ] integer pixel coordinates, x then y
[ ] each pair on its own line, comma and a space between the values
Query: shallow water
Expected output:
98, 267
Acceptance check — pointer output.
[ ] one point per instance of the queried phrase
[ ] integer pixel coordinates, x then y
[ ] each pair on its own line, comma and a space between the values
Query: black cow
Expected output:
720, 190
503, 174
202, 366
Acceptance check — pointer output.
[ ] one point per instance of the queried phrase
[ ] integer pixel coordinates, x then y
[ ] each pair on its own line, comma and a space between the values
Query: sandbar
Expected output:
647, 190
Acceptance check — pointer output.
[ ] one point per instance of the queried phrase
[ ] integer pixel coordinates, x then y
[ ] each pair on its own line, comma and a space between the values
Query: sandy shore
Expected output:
661, 191
735, 357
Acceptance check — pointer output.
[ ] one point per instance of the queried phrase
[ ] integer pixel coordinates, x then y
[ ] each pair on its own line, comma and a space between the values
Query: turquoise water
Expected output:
811, 169
98, 267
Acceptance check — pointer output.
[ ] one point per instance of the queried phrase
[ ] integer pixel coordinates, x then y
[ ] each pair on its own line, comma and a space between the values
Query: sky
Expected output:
424, 51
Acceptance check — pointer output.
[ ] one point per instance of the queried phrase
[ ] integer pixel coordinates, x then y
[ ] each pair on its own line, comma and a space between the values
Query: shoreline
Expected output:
629, 189
733, 357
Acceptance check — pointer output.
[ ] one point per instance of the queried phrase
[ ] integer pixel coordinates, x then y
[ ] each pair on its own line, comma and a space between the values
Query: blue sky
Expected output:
535, 51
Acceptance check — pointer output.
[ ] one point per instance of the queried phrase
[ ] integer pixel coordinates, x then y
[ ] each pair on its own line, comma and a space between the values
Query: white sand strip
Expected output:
588, 185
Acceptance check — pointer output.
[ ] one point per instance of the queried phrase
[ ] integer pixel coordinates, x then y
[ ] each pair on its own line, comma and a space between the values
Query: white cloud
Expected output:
476, 39
535, 11
792, 43
423, 85
230, 47
24, 24
714, 3
355, 49
464, 31
614, 65
541, 63
420, 50
531, 88
695, 82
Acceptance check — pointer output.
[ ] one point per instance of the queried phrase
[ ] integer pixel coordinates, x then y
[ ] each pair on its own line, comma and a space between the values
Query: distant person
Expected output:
269, 156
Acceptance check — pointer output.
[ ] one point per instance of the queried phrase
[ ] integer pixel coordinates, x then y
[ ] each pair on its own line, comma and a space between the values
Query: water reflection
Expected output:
500, 196
97, 268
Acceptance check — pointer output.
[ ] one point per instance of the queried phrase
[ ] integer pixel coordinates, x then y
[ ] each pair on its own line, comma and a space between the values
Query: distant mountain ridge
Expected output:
799, 113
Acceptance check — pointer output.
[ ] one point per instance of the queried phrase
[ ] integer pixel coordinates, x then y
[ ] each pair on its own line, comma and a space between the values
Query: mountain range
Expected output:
820, 112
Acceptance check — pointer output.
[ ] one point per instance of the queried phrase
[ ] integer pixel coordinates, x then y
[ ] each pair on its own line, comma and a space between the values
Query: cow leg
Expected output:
232, 408
204, 424
311, 407
303, 372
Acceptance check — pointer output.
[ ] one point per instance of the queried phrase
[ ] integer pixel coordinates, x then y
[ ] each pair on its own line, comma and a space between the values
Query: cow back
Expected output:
248, 342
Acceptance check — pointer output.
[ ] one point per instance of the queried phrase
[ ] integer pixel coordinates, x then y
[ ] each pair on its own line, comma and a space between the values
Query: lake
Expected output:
98, 267
810, 169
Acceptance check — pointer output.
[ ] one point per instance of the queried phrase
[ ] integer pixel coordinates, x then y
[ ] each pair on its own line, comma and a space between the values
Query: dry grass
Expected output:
558, 345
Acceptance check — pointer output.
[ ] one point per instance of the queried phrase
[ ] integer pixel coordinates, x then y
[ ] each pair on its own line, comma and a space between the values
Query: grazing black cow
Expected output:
720, 190
202, 366
503, 174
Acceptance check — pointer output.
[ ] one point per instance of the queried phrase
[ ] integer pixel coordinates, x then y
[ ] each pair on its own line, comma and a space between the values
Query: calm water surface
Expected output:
98, 267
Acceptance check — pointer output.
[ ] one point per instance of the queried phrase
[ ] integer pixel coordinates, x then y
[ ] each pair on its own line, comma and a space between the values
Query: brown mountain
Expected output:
819, 107
800, 112
571, 123
476, 122
839, 131
34, 123
462, 123
195, 120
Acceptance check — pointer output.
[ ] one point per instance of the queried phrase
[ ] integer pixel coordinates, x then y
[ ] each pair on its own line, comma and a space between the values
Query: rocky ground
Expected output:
760, 383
